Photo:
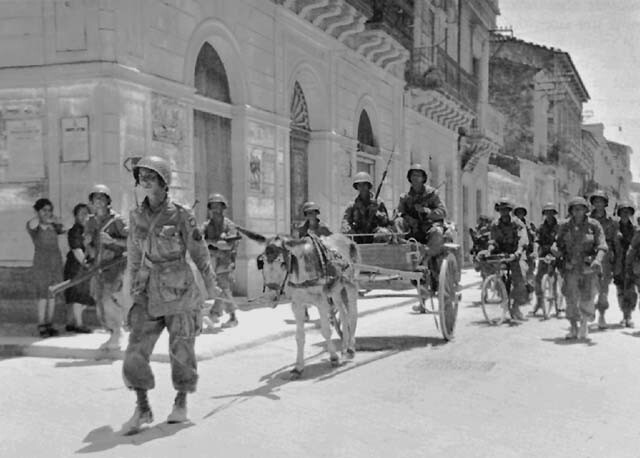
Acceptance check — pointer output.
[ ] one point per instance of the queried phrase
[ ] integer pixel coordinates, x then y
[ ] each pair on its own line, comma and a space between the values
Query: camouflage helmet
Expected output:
549, 207
503, 203
419, 168
625, 204
577, 201
100, 189
520, 207
362, 177
310, 206
599, 193
217, 197
157, 164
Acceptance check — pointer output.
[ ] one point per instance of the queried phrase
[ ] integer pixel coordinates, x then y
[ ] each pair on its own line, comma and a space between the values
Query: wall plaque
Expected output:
24, 146
75, 139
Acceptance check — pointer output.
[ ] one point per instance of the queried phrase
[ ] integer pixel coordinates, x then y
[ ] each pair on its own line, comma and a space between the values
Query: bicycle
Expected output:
551, 285
496, 288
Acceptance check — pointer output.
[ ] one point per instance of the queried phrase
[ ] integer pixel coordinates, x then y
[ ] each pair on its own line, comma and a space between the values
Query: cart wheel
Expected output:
448, 296
494, 299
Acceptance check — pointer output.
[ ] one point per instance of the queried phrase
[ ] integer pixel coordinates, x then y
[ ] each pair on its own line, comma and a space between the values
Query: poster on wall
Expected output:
24, 148
75, 139
255, 170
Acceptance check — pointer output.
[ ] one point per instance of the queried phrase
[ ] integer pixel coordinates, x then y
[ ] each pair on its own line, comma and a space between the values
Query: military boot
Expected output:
583, 332
573, 331
602, 323
142, 415
179, 412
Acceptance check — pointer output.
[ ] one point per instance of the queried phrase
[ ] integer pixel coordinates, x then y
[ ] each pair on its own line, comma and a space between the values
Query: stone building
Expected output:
541, 94
268, 102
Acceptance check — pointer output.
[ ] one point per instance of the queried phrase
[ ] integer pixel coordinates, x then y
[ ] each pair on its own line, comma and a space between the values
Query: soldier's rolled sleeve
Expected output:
600, 242
134, 255
437, 207
347, 220
197, 247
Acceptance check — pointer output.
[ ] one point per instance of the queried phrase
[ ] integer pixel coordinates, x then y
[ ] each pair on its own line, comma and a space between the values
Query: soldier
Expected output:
164, 291
509, 236
222, 239
480, 236
627, 296
107, 233
366, 215
599, 201
581, 245
421, 213
312, 223
546, 236
520, 212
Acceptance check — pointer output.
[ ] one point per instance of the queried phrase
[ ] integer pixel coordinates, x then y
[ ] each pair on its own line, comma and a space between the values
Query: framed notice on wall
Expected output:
75, 139
24, 149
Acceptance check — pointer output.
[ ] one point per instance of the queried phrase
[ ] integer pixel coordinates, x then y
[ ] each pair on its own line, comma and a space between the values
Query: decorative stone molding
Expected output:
441, 109
347, 25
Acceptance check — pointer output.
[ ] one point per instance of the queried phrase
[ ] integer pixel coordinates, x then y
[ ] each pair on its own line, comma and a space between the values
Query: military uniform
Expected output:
610, 229
623, 275
369, 217
106, 287
164, 292
579, 245
546, 237
223, 256
510, 237
480, 237
426, 228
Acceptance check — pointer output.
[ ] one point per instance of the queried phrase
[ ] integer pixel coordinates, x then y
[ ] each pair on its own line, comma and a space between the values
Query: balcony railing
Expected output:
395, 17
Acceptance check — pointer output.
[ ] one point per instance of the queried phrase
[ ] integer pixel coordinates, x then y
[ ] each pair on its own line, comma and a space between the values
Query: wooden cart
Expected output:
402, 265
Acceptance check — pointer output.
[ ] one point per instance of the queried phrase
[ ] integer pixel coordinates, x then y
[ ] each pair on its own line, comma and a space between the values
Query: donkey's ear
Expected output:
252, 235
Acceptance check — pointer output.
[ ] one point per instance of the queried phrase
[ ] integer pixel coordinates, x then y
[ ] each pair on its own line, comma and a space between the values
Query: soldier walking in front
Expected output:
164, 291
222, 240
546, 236
582, 247
107, 232
623, 274
600, 201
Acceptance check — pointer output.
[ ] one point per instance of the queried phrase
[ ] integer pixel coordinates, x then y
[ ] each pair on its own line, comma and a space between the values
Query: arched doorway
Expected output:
367, 150
211, 132
300, 134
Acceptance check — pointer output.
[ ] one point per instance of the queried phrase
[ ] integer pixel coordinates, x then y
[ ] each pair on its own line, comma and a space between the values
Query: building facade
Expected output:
268, 102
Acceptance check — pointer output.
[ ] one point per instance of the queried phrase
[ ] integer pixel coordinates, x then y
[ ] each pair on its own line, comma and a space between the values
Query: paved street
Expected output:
507, 391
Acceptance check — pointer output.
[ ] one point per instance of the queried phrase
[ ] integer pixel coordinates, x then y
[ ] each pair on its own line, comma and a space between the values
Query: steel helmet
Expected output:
578, 201
504, 203
310, 206
520, 207
625, 204
362, 177
419, 168
157, 164
216, 197
100, 189
599, 193
549, 207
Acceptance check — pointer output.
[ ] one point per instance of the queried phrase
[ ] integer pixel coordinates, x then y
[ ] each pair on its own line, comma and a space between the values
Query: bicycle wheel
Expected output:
560, 303
448, 296
548, 294
494, 299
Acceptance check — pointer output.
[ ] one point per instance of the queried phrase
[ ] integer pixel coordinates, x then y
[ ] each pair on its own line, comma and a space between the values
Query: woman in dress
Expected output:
44, 229
77, 297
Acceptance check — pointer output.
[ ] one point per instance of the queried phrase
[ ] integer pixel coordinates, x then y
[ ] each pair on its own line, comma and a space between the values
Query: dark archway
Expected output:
299, 137
212, 132
367, 146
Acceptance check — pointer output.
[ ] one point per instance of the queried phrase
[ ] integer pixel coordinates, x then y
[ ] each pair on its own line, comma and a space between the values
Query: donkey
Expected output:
316, 271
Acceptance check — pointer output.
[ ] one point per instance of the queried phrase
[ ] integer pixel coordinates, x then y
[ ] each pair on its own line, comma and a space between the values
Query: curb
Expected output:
27, 349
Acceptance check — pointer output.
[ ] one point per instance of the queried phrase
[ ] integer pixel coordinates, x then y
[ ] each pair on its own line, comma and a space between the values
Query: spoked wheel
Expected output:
495, 301
448, 296
560, 305
548, 295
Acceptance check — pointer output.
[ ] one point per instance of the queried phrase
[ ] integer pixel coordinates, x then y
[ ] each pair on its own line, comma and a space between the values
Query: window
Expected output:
479, 203
367, 149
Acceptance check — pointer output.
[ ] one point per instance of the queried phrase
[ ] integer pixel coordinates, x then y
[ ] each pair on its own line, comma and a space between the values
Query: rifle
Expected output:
384, 174
62, 286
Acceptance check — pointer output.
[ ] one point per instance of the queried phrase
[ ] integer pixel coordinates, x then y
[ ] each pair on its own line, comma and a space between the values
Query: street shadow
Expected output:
105, 438
85, 363
509, 323
632, 334
382, 343
595, 329
386, 295
474, 304
566, 342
